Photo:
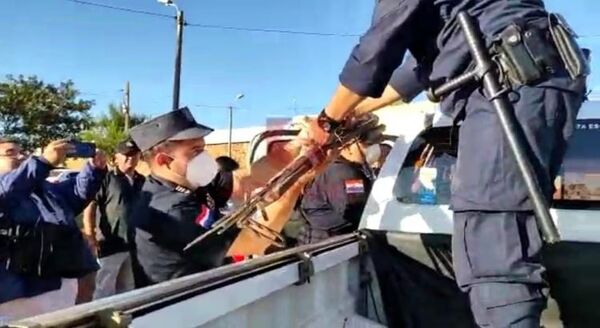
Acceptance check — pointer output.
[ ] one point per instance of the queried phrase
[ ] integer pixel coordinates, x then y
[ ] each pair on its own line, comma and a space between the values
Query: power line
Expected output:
129, 10
211, 106
213, 26
267, 30
241, 28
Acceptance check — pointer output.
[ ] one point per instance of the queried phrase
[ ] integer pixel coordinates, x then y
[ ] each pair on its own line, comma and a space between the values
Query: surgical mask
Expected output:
201, 170
372, 154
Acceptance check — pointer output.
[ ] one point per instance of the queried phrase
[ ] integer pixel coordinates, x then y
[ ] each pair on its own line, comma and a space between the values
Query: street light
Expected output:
237, 98
180, 24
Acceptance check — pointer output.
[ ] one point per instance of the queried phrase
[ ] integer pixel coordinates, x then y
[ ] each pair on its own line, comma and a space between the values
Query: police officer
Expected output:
496, 244
40, 242
177, 203
333, 203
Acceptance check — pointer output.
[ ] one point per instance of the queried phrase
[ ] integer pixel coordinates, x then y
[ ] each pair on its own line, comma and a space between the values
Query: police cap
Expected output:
176, 125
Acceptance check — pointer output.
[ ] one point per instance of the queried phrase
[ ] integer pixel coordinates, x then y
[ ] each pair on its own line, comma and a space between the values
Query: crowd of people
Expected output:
134, 228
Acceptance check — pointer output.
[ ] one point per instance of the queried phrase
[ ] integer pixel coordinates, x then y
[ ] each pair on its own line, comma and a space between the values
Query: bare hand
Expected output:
99, 160
92, 243
56, 152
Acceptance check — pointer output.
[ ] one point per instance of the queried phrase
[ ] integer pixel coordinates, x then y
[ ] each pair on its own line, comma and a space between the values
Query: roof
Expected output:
239, 135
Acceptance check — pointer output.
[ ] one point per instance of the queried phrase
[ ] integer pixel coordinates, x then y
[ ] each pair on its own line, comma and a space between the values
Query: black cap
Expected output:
373, 133
176, 125
227, 163
127, 147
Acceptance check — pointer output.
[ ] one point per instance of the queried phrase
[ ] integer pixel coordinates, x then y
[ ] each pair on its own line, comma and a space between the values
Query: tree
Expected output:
109, 129
34, 113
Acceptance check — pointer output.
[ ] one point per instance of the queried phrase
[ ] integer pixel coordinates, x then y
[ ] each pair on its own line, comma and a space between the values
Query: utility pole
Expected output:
237, 98
176, 89
126, 106
230, 129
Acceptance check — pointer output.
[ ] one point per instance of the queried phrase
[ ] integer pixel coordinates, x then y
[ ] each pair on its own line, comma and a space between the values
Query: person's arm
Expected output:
405, 84
82, 189
22, 181
389, 97
371, 64
261, 171
89, 226
33, 172
277, 214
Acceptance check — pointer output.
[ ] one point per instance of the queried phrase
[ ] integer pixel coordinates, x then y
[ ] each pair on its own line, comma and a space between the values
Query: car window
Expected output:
427, 171
426, 174
578, 183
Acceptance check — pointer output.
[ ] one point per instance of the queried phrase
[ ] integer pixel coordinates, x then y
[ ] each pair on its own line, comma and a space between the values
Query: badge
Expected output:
355, 186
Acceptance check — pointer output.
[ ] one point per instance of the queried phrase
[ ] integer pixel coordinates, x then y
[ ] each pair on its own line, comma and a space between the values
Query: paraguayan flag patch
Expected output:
355, 186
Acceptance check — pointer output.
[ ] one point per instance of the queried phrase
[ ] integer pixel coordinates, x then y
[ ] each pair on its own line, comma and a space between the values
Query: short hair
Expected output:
4, 140
227, 163
149, 154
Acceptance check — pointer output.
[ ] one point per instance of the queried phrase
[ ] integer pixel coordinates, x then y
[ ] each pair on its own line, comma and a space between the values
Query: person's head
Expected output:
173, 145
11, 155
385, 151
227, 164
361, 152
127, 156
366, 149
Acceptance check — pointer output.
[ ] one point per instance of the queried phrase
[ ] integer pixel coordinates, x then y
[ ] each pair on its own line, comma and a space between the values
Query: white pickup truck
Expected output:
397, 273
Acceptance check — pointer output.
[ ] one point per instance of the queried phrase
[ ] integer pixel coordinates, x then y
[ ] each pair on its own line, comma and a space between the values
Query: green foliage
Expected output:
109, 129
34, 113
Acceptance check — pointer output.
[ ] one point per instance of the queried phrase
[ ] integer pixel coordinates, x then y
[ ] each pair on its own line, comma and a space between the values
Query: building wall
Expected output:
239, 152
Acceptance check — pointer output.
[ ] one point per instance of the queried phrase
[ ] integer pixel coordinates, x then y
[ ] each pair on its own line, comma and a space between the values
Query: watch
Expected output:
327, 123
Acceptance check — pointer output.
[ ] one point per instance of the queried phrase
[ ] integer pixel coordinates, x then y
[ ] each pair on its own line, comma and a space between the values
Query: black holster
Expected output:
529, 54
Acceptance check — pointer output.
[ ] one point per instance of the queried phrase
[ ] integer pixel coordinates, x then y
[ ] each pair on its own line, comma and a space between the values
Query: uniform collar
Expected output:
171, 185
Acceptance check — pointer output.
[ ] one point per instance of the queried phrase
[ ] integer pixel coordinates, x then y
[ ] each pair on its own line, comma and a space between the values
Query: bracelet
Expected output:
327, 123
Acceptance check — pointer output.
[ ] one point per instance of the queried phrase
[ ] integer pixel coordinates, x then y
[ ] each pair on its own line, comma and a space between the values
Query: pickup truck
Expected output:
395, 272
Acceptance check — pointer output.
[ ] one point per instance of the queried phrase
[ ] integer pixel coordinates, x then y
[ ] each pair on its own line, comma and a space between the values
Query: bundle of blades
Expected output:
281, 182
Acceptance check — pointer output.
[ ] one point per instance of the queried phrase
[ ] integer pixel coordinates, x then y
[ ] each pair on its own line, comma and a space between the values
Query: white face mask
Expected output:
201, 170
372, 154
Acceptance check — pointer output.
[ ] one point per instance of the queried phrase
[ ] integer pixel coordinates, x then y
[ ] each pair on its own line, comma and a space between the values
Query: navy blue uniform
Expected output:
333, 203
496, 244
166, 218
26, 198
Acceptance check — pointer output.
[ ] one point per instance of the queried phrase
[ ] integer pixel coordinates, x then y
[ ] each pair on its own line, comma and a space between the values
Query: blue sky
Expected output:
99, 49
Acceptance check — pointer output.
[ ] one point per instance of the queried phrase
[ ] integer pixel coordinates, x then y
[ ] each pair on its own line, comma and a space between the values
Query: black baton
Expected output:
485, 71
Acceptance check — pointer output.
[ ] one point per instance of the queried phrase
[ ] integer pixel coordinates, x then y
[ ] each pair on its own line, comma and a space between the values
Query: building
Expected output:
217, 143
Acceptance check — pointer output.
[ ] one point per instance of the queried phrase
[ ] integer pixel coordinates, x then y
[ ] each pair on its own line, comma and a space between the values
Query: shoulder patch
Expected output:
206, 218
354, 186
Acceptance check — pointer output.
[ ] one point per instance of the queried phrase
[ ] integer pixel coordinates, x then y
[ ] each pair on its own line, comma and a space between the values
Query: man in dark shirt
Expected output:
106, 222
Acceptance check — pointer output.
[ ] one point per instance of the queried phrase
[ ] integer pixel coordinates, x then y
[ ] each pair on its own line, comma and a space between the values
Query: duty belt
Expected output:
531, 53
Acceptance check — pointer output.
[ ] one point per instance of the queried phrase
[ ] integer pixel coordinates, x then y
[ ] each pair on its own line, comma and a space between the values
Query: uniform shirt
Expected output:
336, 197
166, 218
115, 201
26, 198
430, 31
